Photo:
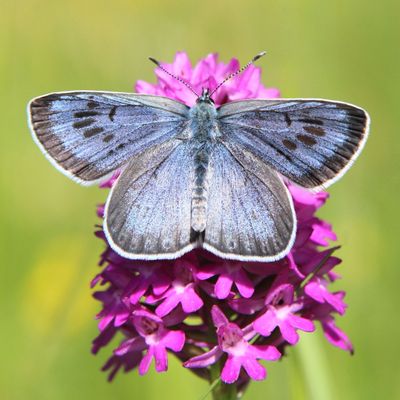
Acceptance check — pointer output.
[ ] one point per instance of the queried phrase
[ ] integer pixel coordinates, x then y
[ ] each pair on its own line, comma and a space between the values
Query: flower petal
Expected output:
244, 284
254, 369
191, 301
121, 318
301, 323
268, 93
146, 361
336, 336
135, 344
182, 66
288, 332
231, 370
204, 360
223, 286
145, 87
168, 304
174, 340
160, 358
218, 317
105, 321
266, 323
265, 352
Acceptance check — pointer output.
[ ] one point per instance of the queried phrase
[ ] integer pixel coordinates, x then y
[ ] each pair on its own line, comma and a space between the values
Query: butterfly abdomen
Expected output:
200, 190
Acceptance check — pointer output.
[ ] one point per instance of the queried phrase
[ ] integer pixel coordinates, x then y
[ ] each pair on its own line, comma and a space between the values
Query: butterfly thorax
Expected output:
203, 116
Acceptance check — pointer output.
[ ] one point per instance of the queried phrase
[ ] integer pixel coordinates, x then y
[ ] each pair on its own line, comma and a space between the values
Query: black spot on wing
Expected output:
112, 113
287, 119
92, 104
84, 123
107, 138
92, 132
84, 114
315, 130
289, 144
307, 140
311, 121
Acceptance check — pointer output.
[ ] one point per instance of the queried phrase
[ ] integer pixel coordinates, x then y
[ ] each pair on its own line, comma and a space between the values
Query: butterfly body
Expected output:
201, 176
203, 135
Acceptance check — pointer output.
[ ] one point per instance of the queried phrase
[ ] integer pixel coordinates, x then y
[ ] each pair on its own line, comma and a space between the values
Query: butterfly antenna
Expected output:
172, 75
239, 71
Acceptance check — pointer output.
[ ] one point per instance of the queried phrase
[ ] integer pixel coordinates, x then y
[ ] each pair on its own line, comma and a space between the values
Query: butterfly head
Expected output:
205, 97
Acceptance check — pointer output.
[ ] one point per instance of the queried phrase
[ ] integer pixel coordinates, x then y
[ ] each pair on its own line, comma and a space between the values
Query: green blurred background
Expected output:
345, 50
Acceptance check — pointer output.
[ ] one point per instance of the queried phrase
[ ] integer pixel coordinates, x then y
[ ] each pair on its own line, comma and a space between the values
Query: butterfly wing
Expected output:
148, 212
88, 135
311, 142
250, 215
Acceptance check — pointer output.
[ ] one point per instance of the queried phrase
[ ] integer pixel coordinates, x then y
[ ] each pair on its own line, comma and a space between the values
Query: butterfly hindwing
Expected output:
87, 135
250, 214
311, 142
148, 212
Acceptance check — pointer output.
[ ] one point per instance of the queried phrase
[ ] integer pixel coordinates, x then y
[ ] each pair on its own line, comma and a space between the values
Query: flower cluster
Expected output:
210, 311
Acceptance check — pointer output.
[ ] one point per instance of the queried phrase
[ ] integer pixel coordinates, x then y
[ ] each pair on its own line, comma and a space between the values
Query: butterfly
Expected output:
198, 176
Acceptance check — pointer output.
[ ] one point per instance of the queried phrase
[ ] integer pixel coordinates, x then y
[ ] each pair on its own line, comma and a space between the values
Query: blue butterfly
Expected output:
202, 176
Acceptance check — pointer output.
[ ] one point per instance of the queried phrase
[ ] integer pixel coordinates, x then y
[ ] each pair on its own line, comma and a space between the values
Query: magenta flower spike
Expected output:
219, 317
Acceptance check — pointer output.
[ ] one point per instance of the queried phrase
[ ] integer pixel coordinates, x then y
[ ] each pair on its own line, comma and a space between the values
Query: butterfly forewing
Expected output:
148, 213
311, 142
90, 134
250, 213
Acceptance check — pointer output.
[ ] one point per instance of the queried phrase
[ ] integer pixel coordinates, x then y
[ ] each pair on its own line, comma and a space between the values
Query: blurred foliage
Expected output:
345, 50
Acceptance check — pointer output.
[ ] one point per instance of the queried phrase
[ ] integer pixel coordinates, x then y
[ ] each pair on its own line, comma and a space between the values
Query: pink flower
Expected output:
235, 343
229, 273
182, 291
317, 290
336, 336
127, 362
323, 312
150, 277
281, 313
206, 310
114, 308
153, 336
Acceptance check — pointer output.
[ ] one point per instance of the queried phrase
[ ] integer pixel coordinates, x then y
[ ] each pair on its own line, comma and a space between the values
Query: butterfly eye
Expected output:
210, 100
205, 97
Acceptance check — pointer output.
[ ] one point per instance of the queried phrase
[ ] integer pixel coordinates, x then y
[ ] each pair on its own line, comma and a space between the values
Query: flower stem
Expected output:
220, 390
